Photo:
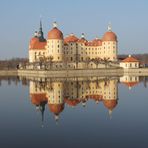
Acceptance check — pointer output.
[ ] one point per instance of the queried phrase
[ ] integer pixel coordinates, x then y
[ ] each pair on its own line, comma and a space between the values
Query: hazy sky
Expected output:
20, 18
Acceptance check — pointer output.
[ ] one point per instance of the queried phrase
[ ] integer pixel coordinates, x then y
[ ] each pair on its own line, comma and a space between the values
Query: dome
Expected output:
109, 36
110, 104
55, 33
56, 108
36, 99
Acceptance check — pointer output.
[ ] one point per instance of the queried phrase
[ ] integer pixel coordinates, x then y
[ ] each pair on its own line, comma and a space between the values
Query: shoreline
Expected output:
76, 72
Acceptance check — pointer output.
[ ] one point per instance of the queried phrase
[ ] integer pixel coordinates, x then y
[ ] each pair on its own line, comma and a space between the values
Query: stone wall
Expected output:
72, 73
77, 72
136, 72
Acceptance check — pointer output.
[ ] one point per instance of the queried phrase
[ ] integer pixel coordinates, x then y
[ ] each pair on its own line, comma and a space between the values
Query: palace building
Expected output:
71, 49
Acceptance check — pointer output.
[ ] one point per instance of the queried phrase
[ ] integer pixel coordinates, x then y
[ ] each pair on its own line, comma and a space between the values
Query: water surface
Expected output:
74, 112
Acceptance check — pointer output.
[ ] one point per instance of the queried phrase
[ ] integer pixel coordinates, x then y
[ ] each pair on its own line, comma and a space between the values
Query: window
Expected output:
71, 58
135, 64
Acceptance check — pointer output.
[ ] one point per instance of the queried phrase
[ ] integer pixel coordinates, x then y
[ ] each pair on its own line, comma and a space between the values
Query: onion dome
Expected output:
110, 104
56, 108
72, 102
55, 33
109, 35
37, 99
71, 38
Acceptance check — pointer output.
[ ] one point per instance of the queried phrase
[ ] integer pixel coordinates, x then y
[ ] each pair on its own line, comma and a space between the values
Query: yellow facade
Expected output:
77, 51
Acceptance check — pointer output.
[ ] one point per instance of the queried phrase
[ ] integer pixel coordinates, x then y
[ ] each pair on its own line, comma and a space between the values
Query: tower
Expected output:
110, 44
55, 44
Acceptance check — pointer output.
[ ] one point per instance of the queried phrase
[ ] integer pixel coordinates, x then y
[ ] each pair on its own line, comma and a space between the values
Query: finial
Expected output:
55, 24
129, 55
83, 104
82, 36
36, 34
97, 37
56, 117
110, 114
109, 26
71, 34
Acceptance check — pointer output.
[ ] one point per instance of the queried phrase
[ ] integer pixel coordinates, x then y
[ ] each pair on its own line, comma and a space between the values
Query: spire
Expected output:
42, 113
40, 24
109, 27
42, 109
40, 33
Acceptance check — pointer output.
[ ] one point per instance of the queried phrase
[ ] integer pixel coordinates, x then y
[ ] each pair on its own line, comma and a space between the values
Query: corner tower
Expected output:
110, 44
37, 46
55, 44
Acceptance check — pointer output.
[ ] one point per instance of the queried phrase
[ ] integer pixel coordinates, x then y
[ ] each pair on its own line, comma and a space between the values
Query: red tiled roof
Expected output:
55, 33
95, 97
38, 98
35, 44
82, 40
56, 108
95, 42
130, 59
72, 102
109, 36
110, 104
130, 84
71, 38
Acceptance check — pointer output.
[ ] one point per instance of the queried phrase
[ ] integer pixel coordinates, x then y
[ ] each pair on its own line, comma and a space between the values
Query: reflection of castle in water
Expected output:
130, 81
73, 92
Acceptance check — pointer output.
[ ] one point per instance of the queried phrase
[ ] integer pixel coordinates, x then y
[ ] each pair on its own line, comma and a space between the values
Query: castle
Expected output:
72, 50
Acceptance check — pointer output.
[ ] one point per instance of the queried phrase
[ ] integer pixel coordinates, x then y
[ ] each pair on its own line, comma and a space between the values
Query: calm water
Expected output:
76, 112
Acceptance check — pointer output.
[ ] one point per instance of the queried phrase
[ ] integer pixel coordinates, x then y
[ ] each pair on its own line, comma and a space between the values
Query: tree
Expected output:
97, 61
87, 61
106, 61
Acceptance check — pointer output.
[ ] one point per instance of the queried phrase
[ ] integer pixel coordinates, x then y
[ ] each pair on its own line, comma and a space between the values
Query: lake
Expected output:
89, 112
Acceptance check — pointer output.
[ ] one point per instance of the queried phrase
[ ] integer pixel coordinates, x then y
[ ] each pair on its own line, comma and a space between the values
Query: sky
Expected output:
20, 18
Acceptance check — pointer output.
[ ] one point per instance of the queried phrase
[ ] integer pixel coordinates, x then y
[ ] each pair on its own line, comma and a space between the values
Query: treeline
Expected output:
12, 63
